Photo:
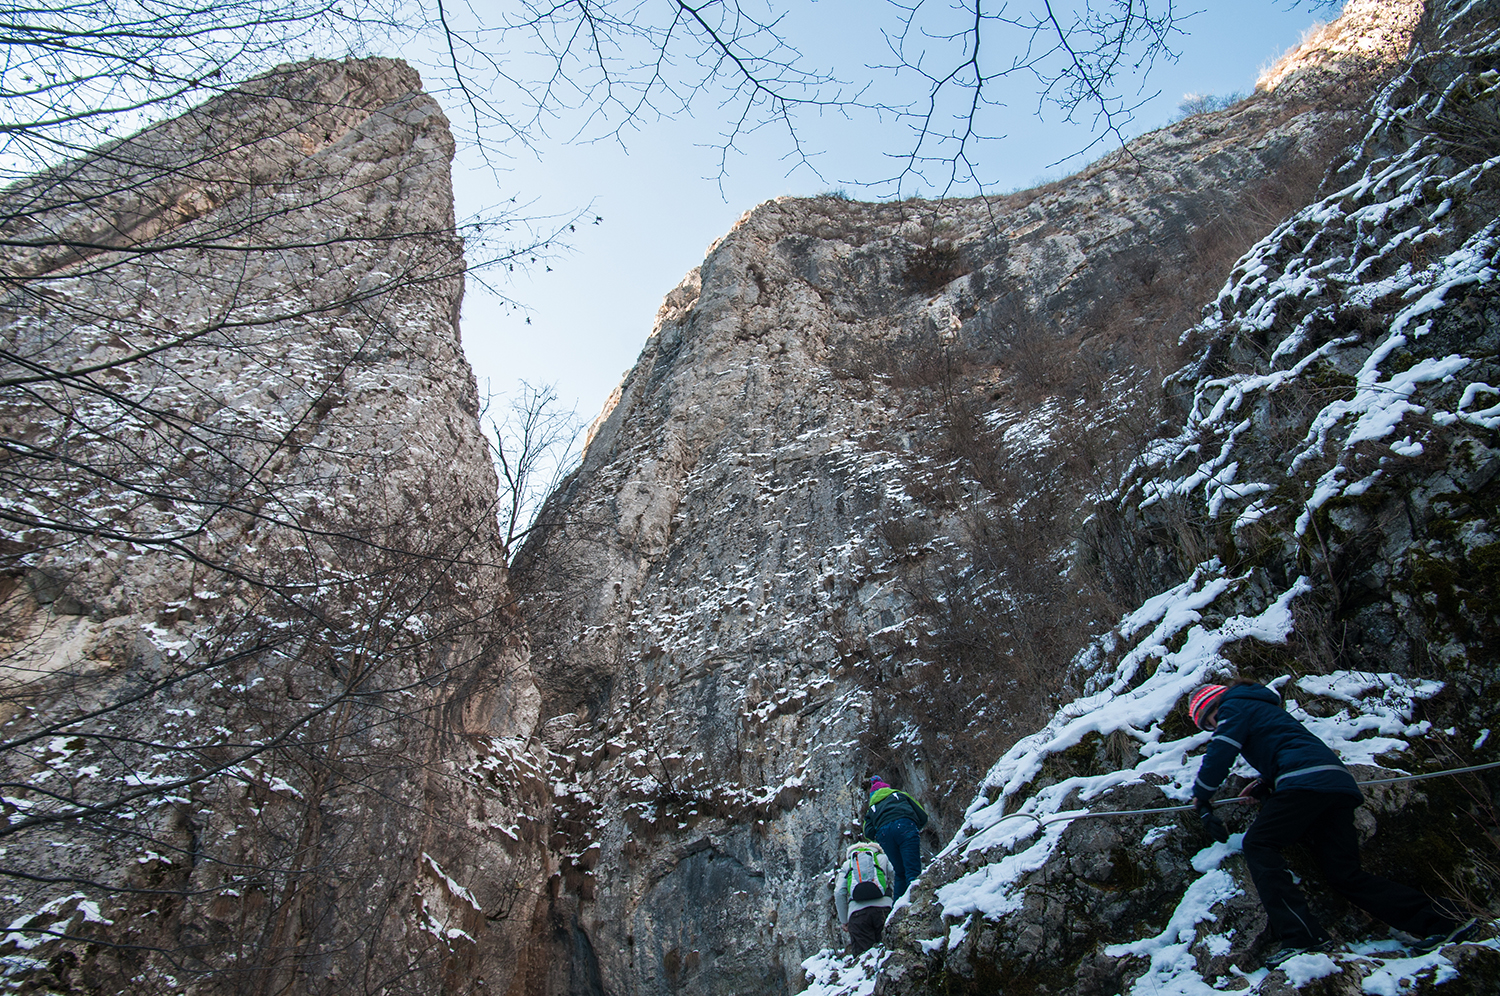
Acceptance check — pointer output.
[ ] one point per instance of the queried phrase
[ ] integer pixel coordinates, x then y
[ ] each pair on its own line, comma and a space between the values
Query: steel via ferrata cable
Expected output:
1043, 822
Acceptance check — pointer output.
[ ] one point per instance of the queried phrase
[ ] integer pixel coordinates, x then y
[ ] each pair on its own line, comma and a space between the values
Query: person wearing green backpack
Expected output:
863, 894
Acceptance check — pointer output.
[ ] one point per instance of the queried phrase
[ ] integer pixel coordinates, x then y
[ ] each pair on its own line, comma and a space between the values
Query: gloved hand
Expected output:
1256, 789
1212, 825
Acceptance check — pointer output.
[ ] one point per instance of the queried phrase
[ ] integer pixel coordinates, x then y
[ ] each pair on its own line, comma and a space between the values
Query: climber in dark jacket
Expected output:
895, 820
1308, 795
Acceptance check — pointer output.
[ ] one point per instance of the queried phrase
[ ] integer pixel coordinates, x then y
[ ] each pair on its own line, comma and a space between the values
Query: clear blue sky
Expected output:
662, 201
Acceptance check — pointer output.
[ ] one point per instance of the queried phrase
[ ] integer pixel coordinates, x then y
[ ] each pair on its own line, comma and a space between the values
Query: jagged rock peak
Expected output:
1366, 34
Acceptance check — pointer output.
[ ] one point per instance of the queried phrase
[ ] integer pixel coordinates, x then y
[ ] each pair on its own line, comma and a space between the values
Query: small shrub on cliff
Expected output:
932, 267
1205, 103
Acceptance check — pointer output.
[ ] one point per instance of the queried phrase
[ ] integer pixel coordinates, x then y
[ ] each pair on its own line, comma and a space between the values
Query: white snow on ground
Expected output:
1304, 968
832, 973
1395, 976
1168, 949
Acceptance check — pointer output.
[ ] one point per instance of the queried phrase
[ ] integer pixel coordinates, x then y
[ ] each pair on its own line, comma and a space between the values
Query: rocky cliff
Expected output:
860, 504
896, 489
266, 710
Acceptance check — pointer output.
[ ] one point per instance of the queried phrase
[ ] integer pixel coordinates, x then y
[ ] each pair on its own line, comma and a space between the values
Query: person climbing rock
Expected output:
895, 821
1306, 795
863, 894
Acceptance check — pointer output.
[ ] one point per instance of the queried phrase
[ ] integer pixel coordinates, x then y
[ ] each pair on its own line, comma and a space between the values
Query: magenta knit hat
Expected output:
876, 785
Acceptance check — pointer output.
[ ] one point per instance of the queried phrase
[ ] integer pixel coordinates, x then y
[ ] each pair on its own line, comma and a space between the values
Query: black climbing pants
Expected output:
1324, 821
865, 928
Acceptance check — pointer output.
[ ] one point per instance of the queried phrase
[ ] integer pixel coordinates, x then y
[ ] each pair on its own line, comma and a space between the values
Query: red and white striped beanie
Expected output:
1203, 700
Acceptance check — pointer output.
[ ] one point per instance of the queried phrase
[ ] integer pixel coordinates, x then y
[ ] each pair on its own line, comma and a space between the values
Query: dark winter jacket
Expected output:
1287, 755
888, 804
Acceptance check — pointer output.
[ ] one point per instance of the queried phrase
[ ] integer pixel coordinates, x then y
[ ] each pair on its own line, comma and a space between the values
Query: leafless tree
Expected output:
79, 74
536, 446
605, 66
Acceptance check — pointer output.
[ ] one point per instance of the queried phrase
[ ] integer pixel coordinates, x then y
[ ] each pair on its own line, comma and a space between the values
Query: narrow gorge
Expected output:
968, 494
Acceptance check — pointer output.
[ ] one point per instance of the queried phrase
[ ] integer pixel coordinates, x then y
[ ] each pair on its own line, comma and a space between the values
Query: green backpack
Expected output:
867, 879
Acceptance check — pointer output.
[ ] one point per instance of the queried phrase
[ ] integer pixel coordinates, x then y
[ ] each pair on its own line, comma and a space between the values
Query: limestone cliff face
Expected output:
842, 521
267, 711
